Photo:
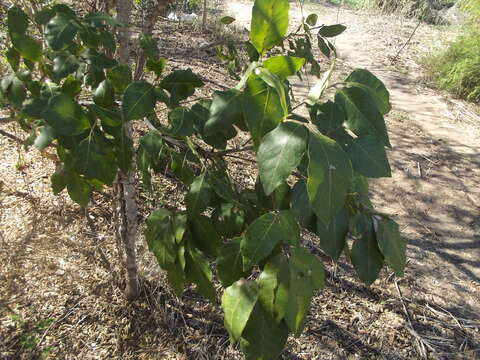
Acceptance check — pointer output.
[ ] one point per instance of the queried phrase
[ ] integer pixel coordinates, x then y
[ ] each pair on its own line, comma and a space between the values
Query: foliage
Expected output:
312, 171
457, 69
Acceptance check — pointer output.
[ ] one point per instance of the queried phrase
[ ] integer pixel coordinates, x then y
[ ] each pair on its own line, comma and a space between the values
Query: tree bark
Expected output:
125, 207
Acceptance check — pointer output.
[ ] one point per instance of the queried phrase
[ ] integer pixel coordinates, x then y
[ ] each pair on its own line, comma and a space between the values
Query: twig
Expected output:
410, 38
6, 120
421, 341
11, 136
68, 312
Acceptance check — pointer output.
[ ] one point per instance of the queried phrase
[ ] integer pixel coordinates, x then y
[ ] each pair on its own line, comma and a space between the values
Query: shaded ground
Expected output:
59, 296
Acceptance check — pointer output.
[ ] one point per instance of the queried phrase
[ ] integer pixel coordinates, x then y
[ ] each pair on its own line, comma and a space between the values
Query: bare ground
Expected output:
58, 284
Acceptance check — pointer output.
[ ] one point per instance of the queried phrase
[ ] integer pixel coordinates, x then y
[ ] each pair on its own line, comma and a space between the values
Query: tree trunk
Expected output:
204, 15
125, 207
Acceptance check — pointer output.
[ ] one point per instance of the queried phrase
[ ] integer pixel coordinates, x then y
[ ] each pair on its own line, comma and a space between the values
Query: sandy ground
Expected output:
59, 297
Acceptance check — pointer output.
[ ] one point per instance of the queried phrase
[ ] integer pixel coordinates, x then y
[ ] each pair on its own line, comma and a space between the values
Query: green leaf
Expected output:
198, 270
99, 18
34, 108
329, 176
280, 152
230, 264
332, 30
179, 223
227, 20
17, 21
263, 338
180, 84
71, 86
60, 31
306, 275
176, 274
199, 195
366, 258
269, 23
107, 40
157, 66
17, 92
291, 230
238, 302
98, 60
104, 95
43, 16
64, 64
79, 190
312, 19
268, 283
205, 236
66, 116
45, 138
182, 121
13, 58
328, 117
369, 158
27, 46
95, 159
149, 46
284, 66
110, 117
332, 236
225, 110
229, 221
392, 246
123, 150
260, 239
300, 206
160, 238
363, 116
59, 181
138, 101
120, 76
377, 89
264, 106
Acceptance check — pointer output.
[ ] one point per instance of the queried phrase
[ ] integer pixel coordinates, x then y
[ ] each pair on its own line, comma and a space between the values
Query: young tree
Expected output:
312, 170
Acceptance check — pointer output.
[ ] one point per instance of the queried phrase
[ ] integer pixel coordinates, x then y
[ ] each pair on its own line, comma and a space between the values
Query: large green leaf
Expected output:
271, 286
264, 105
332, 30
199, 195
238, 302
44, 138
198, 270
64, 64
17, 21
60, 31
391, 245
269, 23
99, 18
225, 110
328, 117
13, 58
376, 88
160, 238
96, 160
181, 121
332, 236
27, 46
306, 275
280, 152
291, 230
120, 76
329, 176
230, 264
66, 116
260, 239
138, 101
180, 84
263, 338
98, 60
300, 206
79, 190
17, 92
366, 258
104, 94
284, 66
369, 158
363, 116
205, 235
34, 107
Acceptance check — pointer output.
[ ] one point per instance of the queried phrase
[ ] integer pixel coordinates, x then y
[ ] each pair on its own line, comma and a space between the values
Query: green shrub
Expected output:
457, 69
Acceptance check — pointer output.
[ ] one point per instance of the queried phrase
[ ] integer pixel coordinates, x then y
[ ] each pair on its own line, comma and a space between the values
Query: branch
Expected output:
11, 136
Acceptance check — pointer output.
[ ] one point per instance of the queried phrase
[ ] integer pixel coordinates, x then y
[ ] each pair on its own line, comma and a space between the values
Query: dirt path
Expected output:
434, 192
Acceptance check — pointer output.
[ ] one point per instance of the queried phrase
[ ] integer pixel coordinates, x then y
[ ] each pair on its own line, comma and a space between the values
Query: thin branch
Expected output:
11, 136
